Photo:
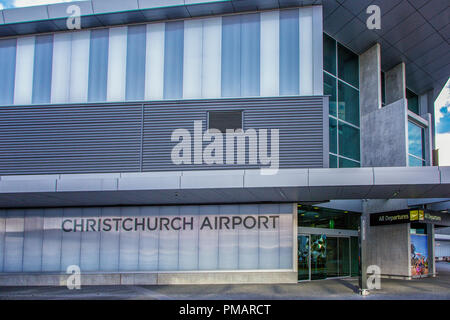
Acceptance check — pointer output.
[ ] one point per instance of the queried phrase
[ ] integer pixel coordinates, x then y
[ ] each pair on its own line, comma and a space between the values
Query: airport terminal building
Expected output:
115, 155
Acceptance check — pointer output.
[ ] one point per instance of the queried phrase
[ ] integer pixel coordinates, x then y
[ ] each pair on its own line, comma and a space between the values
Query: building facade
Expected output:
116, 155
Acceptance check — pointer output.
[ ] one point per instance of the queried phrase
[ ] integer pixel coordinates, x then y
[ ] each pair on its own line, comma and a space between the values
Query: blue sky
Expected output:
442, 104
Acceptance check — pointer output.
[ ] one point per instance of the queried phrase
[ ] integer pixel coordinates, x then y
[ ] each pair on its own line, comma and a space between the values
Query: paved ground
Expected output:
427, 288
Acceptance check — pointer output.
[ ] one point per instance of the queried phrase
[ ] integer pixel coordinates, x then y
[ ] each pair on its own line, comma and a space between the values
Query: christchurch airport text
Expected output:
169, 223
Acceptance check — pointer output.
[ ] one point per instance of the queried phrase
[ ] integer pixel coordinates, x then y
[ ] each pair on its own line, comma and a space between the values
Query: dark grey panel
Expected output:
16, 15
405, 28
299, 119
350, 31
395, 16
414, 39
69, 139
208, 8
329, 6
434, 7
356, 6
337, 20
433, 54
121, 18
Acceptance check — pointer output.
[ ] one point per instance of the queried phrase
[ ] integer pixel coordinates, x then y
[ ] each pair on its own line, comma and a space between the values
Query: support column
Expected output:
370, 80
431, 246
395, 84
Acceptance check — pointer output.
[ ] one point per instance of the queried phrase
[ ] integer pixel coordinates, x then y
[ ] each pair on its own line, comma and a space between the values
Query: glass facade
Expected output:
244, 55
322, 254
416, 145
341, 84
413, 101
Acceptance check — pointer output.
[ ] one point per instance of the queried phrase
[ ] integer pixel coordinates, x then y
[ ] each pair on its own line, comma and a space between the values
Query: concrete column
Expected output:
370, 80
431, 255
396, 84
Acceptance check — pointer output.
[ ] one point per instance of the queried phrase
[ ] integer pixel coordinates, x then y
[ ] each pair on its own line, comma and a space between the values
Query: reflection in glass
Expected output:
348, 66
303, 257
329, 54
329, 89
333, 135
415, 138
349, 141
318, 256
348, 104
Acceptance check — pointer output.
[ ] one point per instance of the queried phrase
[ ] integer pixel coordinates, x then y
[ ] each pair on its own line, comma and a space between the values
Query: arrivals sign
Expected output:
405, 216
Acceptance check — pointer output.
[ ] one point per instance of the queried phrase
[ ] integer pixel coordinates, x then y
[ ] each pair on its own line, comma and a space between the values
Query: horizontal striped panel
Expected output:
299, 119
69, 139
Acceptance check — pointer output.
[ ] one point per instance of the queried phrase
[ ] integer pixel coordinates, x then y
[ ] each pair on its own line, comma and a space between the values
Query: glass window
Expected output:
383, 89
329, 89
7, 70
333, 161
333, 135
413, 101
329, 54
415, 138
42, 75
415, 162
348, 66
135, 86
98, 65
173, 60
348, 104
345, 163
349, 141
289, 52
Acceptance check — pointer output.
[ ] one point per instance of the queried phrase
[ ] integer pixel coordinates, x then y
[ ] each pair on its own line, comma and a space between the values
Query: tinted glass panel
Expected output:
345, 163
173, 60
42, 75
333, 135
348, 66
7, 70
329, 54
354, 253
329, 89
98, 65
348, 104
349, 141
383, 89
344, 257
289, 52
413, 101
333, 161
135, 88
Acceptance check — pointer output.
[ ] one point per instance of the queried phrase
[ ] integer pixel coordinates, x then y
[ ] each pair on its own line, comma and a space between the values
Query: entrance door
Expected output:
321, 256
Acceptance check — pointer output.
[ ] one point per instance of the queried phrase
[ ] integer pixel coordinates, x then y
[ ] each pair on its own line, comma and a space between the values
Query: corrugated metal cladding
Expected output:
137, 137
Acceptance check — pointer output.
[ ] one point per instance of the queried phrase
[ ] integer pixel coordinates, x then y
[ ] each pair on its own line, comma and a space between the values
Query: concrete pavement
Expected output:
437, 288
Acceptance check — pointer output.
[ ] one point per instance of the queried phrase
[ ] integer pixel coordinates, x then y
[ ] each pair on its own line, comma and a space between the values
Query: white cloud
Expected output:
29, 3
1, 6
443, 144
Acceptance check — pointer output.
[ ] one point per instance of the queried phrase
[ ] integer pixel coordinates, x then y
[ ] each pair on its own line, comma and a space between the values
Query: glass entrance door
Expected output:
321, 256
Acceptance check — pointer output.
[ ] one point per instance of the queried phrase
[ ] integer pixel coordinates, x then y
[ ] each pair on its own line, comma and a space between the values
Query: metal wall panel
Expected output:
69, 139
113, 138
299, 119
